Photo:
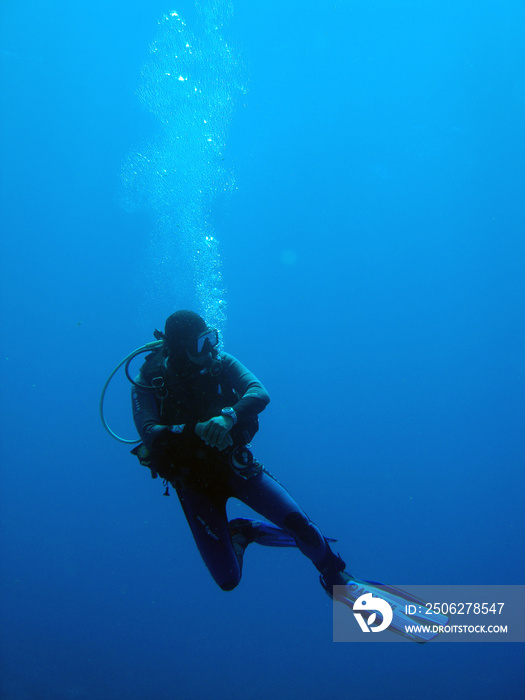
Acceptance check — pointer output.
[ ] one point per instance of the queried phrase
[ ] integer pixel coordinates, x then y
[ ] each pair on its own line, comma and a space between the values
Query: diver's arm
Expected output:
146, 414
254, 397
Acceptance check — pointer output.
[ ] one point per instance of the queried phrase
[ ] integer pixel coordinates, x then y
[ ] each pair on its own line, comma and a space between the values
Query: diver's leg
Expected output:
271, 500
209, 525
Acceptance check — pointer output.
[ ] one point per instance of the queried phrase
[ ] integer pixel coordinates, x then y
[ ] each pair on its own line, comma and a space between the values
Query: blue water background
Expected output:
373, 258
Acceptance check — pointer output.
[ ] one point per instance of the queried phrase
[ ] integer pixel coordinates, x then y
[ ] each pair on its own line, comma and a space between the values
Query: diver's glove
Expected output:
216, 432
162, 437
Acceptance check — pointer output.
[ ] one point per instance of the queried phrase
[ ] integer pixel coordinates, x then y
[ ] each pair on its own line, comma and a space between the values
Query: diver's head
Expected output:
187, 337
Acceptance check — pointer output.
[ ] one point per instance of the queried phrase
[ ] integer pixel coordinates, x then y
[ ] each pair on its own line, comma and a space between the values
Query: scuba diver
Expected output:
196, 409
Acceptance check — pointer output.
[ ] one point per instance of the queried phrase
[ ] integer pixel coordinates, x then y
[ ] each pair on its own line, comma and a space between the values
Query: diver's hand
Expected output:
162, 436
215, 432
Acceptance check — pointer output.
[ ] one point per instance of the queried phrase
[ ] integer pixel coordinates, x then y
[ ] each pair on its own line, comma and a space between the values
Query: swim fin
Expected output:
411, 618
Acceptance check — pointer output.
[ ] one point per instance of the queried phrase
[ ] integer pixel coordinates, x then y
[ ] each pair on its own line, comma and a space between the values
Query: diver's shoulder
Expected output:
227, 359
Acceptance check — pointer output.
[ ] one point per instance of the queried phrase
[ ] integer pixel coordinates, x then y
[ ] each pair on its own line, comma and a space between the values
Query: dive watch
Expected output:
229, 411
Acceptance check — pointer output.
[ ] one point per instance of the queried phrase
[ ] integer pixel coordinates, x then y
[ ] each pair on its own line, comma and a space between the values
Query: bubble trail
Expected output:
190, 84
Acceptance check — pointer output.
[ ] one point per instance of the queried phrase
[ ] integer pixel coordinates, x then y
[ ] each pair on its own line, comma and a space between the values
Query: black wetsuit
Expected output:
204, 477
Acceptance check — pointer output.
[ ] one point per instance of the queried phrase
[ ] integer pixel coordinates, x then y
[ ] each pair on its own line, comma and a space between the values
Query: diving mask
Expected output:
206, 341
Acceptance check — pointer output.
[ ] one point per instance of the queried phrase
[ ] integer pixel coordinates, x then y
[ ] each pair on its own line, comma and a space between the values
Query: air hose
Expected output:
144, 348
